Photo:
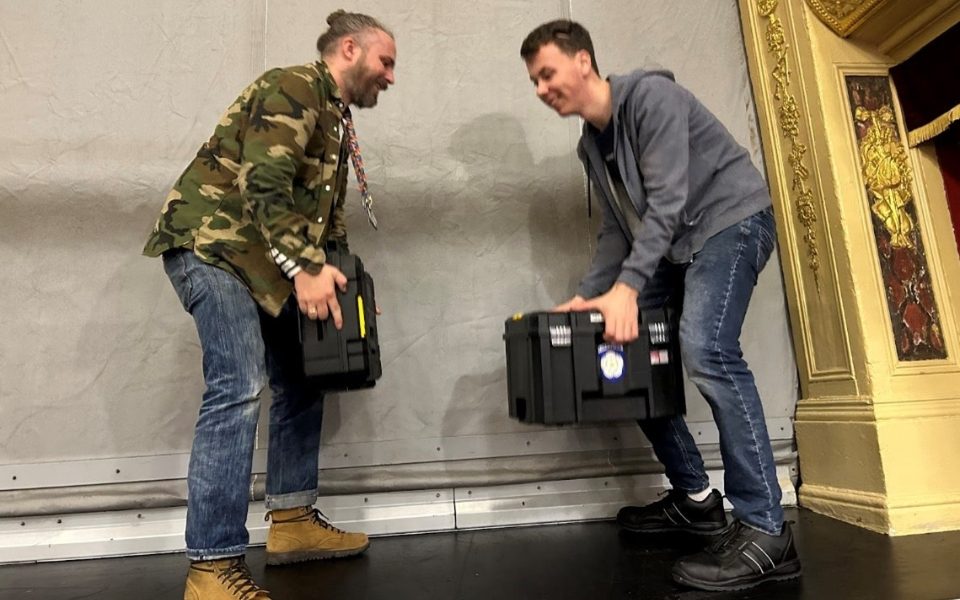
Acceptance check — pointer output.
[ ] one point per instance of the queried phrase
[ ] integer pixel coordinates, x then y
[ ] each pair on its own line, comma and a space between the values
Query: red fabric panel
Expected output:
948, 152
928, 82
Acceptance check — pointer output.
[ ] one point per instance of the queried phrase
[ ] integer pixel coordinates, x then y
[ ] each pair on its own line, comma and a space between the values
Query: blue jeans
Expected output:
242, 346
714, 291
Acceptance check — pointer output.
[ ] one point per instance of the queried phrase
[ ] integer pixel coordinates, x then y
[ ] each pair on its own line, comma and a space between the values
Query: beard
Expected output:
363, 84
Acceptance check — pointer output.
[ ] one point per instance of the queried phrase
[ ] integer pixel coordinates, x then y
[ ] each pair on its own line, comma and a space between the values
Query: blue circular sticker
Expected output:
611, 361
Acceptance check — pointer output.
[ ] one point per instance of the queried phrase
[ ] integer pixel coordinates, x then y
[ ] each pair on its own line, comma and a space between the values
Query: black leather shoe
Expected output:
676, 512
742, 558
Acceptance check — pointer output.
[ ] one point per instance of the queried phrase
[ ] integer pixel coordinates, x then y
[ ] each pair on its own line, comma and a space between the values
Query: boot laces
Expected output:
237, 577
315, 518
727, 538
667, 498
310, 514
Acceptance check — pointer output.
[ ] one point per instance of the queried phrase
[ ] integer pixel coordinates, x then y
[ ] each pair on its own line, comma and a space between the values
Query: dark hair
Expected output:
569, 36
343, 24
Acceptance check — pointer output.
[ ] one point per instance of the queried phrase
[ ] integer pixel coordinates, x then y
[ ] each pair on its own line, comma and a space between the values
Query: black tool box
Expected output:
348, 358
559, 369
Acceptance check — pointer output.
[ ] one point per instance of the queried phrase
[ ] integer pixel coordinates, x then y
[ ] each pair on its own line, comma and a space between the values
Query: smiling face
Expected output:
372, 71
560, 78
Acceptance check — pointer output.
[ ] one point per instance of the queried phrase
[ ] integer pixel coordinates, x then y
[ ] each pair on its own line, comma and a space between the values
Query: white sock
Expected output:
699, 496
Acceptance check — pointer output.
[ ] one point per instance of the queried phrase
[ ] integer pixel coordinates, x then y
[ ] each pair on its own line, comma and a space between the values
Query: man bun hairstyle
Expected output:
335, 15
569, 36
343, 24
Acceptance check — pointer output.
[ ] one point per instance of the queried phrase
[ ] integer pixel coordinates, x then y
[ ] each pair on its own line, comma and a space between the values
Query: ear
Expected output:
349, 47
584, 63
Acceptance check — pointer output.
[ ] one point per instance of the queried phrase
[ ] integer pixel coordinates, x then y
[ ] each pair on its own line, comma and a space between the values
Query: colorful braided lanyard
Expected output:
365, 198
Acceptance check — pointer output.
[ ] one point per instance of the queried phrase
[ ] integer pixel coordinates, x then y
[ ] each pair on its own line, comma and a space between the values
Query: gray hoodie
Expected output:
685, 175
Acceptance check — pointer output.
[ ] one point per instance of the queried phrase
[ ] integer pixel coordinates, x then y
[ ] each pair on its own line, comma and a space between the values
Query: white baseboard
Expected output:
154, 531
574, 500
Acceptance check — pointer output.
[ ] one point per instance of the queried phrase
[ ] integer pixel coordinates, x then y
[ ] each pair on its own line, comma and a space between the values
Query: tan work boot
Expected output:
299, 534
227, 579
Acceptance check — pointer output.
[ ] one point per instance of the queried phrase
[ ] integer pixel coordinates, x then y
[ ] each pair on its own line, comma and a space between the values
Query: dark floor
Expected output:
586, 560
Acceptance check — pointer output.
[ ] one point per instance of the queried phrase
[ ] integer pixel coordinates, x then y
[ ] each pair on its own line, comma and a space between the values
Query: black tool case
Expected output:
559, 369
348, 358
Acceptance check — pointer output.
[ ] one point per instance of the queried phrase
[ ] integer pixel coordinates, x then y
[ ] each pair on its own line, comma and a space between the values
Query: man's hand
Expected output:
317, 294
575, 303
619, 309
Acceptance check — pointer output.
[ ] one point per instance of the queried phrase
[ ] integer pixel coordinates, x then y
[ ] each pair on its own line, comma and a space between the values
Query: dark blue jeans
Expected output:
714, 291
242, 346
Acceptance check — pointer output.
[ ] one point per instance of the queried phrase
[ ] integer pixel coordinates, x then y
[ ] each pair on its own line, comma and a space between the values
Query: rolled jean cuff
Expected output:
291, 500
769, 528
215, 553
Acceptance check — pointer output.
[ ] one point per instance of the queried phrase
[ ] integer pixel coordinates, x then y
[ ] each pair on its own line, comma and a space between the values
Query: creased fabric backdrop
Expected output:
479, 193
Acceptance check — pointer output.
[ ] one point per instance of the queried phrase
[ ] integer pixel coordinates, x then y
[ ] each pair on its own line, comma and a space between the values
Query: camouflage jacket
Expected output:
271, 179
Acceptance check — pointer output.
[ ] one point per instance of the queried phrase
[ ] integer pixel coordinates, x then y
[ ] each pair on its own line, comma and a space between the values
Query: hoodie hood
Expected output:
621, 86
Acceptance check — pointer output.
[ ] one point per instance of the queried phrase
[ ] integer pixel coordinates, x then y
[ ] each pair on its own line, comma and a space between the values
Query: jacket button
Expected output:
320, 220
326, 188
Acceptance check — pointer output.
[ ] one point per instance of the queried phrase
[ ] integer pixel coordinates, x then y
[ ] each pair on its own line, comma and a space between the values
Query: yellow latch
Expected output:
363, 321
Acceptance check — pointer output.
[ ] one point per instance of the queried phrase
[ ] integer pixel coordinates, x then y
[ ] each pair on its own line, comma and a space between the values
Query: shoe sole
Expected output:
714, 529
286, 558
786, 571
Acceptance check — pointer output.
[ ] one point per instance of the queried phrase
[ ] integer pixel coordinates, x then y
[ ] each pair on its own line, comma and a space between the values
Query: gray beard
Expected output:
367, 100
363, 88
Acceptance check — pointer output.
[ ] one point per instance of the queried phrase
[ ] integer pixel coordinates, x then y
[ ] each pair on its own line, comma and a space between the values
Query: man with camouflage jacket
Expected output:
245, 225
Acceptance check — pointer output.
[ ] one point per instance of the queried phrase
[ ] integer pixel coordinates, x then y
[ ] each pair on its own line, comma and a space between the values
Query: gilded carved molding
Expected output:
887, 173
789, 120
843, 16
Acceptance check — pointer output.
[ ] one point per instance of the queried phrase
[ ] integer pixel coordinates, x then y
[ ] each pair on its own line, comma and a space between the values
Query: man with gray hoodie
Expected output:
686, 219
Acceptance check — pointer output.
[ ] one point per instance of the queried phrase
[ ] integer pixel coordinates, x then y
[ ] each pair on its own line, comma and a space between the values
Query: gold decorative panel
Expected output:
843, 16
888, 179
